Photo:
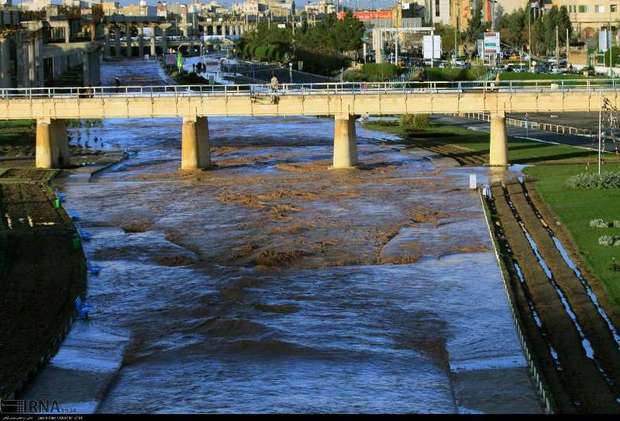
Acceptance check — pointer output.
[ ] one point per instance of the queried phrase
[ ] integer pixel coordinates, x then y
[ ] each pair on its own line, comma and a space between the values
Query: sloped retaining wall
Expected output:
42, 272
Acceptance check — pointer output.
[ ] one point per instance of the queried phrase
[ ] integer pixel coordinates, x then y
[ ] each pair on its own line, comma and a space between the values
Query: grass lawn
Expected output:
475, 143
16, 138
543, 76
575, 208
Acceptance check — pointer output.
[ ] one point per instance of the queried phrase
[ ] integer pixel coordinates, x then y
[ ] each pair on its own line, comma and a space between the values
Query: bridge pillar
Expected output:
5, 58
153, 43
117, 43
128, 52
44, 156
52, 148
498, 150
189, 145
164, 37
141, 42
345, 142
106, 41
195, 150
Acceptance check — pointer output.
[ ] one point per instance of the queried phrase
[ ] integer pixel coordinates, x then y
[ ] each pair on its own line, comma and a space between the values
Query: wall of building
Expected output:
588, 16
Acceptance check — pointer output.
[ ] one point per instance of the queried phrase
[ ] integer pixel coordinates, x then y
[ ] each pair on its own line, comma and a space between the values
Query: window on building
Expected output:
582, 8
612, 8
599, 9
437, 11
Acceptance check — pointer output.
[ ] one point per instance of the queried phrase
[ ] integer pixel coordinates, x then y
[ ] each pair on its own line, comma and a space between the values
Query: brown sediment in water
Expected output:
305, 215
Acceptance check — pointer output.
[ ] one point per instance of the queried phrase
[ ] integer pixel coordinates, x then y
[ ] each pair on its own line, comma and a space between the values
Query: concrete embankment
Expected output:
571, 336
42, 265
43, 271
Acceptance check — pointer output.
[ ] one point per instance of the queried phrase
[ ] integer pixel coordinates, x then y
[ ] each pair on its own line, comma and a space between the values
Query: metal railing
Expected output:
327, 88
531, 124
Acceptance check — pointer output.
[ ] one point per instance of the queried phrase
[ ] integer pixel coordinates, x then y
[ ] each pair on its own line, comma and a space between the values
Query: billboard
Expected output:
491, 43
603, 40
432, 49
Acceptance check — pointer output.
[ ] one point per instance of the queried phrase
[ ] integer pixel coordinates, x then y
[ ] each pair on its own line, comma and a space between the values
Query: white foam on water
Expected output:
84, 360
508, 361
465, 410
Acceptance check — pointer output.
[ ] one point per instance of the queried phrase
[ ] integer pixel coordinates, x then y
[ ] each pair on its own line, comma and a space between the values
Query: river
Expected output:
273, 284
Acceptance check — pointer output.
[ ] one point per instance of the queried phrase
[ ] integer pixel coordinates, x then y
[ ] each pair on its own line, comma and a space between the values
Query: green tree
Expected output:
447, 37
513, 28
476, 27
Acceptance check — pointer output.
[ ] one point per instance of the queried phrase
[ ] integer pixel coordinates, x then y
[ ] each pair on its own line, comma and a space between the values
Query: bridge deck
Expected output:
309, 99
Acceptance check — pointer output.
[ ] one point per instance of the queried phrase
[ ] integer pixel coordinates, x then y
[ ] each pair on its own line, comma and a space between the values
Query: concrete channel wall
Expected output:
535, 374
44, 271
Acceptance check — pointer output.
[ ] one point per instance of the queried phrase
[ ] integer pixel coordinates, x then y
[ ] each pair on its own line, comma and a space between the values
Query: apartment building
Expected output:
588, 16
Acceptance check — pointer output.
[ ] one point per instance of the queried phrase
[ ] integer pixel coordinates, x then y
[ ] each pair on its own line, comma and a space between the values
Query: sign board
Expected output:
171, 59
480, 47
491, 43
432, 46
603, 40
405, 6
281, 26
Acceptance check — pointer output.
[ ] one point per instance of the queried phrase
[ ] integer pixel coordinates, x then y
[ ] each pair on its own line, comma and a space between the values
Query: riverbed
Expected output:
273, 284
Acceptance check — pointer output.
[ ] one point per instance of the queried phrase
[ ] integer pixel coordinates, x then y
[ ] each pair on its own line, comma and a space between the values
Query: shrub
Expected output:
415, 121
609, 240
598, 223
608, 180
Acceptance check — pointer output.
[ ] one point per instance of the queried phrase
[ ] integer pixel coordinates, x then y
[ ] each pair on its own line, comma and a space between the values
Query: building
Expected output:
266, 8
322, 7
437, 11
589, 16
35, 53
110, 8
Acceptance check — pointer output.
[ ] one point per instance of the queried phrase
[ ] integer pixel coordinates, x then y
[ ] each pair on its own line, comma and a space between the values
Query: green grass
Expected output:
542, 76
575, 208
16, 136
520, 151
16, 132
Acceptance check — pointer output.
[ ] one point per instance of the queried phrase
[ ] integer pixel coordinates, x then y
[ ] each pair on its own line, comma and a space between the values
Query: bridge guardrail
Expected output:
356, 88
532, 124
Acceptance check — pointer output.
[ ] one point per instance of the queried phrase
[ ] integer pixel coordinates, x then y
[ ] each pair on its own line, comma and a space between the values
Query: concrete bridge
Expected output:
160, 34
51, 107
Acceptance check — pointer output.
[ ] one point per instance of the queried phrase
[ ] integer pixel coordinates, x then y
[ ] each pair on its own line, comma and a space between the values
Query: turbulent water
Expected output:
330, 329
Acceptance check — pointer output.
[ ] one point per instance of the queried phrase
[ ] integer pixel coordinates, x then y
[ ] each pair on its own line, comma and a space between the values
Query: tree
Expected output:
476, 27
349, 33
447, 37
513, 28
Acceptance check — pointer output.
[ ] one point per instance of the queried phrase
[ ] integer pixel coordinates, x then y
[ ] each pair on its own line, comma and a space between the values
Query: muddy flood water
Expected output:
272, 284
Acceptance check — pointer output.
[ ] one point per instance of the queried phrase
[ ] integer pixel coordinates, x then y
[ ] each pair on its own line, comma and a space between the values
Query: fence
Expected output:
529, 124
352, 88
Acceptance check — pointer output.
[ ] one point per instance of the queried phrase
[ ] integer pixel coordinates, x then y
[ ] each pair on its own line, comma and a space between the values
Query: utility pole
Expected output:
609, 45
529, 30
567, 46
557, 47
396, 49
600, 139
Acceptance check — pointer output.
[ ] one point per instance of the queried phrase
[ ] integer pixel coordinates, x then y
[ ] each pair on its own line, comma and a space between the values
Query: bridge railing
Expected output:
356, 88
